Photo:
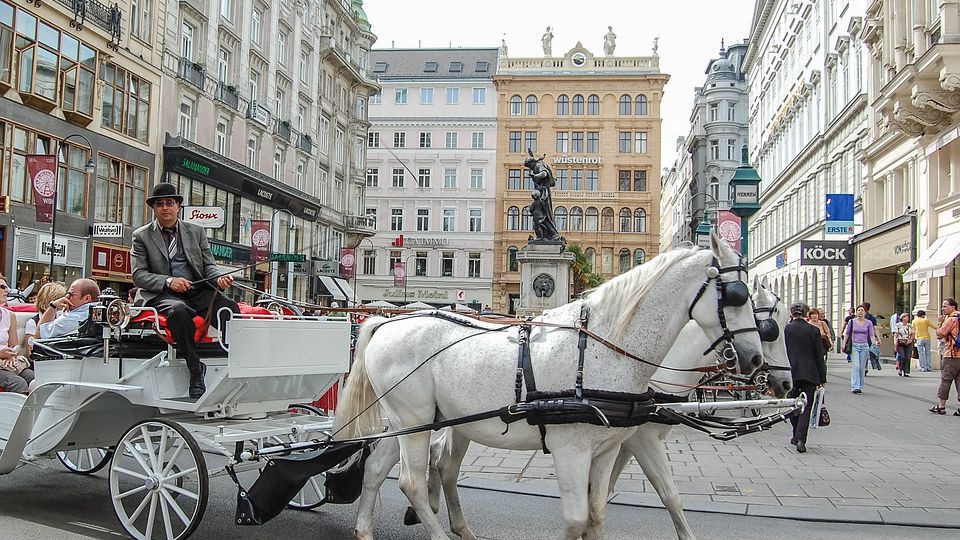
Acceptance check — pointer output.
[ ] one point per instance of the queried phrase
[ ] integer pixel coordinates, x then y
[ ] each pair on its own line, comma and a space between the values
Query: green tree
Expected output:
583, 275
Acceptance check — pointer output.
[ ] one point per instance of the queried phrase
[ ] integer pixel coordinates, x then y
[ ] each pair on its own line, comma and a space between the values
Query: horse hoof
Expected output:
410, 517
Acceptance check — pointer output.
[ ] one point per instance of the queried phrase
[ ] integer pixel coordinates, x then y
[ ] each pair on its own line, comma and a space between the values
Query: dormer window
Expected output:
379, 67
456, 67
430, 67
482, 67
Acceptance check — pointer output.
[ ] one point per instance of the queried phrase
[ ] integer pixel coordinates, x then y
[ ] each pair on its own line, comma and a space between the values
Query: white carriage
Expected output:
119, 398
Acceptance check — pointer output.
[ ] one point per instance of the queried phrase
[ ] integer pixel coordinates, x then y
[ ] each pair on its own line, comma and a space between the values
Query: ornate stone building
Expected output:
597, 118
912, 158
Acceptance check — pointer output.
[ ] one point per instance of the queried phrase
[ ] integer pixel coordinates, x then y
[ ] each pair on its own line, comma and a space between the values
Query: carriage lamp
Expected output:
745, 188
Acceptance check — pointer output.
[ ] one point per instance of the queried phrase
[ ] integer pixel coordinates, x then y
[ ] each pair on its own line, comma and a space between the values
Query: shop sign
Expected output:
325, 268
414, 241
110, 260
576, 160
782, 259
418, 294
221, 251
59, 251
825, 253
107, 230
208, 217
746, 194
195, 167
228, 252
839, 213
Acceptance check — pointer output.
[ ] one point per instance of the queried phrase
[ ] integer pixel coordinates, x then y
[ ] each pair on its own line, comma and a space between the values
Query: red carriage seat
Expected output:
147, 317
247, 309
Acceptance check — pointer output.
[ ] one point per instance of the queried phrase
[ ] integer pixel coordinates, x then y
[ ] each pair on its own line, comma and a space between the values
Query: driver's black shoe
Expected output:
197, 386
801, 447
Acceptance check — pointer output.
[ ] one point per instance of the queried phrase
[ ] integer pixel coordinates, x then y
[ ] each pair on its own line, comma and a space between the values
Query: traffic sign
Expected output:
287, 257
461, 294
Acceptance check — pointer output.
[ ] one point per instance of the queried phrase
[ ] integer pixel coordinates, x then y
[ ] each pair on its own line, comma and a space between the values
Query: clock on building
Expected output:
578, 59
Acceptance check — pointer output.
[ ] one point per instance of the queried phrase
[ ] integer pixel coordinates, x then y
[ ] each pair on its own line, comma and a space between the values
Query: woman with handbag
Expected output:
905, 337
15, 372
808, 367
857, 338
817, 319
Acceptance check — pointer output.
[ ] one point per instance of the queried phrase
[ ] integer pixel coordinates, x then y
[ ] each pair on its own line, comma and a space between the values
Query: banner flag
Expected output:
43, 178
348, 259
729, 229
260, 239
400, 274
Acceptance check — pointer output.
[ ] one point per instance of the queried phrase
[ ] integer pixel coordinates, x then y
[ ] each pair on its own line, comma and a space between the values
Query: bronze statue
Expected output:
541, 209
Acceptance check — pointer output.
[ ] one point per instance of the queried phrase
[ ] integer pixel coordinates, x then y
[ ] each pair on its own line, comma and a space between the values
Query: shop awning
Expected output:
346, 288
332, 289
936, 259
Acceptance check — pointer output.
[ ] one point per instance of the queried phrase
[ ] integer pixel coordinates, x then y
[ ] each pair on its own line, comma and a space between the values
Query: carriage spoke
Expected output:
181, 491
149, 445
152, 515
162, 448
167, 526
126, 494
316, 487
179, 474
172, 503
173, 459
134, 474
136, 455
140, 508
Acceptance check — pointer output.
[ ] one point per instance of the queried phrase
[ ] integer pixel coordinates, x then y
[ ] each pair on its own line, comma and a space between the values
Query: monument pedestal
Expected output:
544, 277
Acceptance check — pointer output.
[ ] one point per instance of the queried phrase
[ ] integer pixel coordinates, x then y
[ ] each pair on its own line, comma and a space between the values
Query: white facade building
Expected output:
674, 196
807, 123
430, 177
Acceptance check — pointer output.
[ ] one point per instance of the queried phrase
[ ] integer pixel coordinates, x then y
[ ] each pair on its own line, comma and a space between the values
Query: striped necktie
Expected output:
170, 235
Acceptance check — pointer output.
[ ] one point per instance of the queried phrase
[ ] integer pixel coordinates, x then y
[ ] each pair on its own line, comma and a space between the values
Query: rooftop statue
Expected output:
547, 42
609, 42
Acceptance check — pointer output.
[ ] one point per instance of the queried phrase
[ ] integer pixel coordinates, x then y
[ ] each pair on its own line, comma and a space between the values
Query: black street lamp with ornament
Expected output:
745, 191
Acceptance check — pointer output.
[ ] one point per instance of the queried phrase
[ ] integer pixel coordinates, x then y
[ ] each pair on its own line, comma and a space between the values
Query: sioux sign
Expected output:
825, 253
208, 217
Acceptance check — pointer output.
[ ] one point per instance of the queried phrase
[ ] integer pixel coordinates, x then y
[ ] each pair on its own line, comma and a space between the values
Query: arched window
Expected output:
578, 104
525, 219
576, 218
625, 103
592, 218
563, 105
531, 105
512, 265
640, 221
641, 108
560, 214
606, 219
593, 104
513, 218
516, 106
591, 256
639, 256
624, 260
625, 220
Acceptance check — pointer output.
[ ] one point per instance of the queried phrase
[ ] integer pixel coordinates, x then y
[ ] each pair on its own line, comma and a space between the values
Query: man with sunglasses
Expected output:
169, 256
65, 315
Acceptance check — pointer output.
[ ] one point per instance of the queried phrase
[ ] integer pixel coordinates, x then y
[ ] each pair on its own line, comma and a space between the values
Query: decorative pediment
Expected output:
842, 43
814, 76
831, 59
855, 25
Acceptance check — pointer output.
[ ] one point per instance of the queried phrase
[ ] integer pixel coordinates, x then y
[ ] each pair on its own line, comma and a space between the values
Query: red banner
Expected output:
400, 274
348, 262
43, 178
729, 230
260, 240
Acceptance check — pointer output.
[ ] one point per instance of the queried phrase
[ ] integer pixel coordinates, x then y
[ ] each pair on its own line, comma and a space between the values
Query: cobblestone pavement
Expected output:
883, 459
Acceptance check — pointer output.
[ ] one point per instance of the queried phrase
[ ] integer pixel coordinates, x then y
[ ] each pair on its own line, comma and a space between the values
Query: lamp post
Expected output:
276, 265
406, 278
704, 228
89, 169
745, 186
356, 269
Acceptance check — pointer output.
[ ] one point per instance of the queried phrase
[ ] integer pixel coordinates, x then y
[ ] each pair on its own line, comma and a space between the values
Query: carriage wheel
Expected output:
86, 460
158, 481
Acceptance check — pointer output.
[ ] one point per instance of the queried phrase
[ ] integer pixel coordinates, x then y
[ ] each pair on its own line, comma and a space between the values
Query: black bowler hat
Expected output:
164, 190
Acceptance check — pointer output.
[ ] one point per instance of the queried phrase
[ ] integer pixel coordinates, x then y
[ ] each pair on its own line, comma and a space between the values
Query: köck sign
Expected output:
825, 253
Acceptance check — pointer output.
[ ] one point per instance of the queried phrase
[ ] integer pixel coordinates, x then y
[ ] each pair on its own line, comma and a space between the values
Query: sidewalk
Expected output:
883, 460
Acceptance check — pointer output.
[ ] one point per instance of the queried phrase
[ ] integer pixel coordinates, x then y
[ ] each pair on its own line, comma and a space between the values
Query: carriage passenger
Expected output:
47, 294
15, 372
65, 314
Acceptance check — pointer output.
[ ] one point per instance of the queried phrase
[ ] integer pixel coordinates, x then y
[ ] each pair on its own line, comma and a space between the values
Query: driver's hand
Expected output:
180, 285
224, 282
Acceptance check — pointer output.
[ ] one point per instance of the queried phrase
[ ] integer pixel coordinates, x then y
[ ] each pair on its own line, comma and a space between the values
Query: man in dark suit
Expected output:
168, 256
808, 366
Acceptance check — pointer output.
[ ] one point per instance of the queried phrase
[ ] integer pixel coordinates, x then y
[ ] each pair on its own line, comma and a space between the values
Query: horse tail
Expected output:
358, 414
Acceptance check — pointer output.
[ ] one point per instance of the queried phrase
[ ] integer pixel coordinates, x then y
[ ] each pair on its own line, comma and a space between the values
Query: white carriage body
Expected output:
89, 402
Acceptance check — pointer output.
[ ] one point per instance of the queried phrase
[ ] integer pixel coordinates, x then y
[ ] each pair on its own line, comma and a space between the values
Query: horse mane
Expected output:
624, 293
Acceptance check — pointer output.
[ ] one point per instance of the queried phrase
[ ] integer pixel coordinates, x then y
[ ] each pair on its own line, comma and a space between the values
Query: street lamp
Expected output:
276, 264
406, 278
745, 186
356, 269
705, 228
89, 169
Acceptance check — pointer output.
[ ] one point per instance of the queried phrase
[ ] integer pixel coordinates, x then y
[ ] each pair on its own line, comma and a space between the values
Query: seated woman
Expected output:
15, 372
47, 294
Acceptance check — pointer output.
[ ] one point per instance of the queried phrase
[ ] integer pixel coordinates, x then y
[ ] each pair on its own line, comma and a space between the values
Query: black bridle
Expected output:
768, 327
729, 294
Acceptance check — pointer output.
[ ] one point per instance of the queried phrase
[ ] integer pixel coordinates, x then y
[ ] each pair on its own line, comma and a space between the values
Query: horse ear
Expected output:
756, 284
764, 282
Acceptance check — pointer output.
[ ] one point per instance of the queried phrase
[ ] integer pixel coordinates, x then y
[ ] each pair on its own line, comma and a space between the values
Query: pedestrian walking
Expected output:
921, 329
858, 337
817, 321
851, 314
905, 338
950, 368
808, 366
874, 349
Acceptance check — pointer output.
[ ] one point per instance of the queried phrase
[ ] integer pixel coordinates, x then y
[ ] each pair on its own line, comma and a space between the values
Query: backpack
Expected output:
956, 339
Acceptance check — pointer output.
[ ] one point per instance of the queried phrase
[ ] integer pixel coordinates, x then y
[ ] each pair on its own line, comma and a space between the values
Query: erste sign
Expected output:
208, 217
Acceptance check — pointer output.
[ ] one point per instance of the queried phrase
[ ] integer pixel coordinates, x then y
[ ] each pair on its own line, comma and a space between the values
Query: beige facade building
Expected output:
597, 119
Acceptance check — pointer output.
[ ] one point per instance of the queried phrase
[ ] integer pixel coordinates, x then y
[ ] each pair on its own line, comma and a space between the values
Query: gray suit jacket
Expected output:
151, 263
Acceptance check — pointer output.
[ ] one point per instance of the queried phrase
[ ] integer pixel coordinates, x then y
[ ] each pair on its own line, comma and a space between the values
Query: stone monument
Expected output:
544, 262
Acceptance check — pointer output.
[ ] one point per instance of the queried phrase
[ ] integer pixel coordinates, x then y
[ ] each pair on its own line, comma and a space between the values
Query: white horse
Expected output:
421, 369
646, 445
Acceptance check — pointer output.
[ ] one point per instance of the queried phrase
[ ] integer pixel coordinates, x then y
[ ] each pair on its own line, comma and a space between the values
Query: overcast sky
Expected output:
689, 31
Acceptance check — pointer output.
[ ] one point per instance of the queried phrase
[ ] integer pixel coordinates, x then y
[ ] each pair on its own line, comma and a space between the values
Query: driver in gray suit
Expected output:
168, 256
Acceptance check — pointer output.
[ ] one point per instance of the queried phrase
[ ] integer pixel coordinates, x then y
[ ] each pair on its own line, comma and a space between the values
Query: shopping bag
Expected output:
815, 408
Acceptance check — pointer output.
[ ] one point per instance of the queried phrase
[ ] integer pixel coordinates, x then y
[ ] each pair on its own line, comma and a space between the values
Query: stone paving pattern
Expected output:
883, 459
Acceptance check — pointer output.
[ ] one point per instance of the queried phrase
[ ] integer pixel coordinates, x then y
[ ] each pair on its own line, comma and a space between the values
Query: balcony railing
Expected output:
306, 143
192, 72
345, 57
360, 223
283, 130
110, 18
228, 95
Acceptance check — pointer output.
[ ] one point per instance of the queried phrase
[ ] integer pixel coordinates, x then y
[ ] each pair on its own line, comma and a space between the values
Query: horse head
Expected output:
772, 318
722, 307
